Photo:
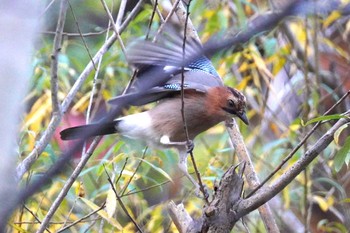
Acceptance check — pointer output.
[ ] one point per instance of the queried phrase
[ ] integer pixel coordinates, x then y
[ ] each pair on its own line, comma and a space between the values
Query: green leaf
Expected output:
102, 213
338, 132
324, 118
158, 169
343, 155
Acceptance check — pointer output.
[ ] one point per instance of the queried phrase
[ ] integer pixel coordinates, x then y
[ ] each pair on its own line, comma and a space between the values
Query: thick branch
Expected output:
265, 194
250, 174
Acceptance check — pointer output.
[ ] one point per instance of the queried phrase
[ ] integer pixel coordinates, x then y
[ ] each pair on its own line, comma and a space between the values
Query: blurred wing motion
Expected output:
167, 54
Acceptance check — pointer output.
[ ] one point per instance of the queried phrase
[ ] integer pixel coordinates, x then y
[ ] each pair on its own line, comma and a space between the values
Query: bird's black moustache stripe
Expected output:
229, 110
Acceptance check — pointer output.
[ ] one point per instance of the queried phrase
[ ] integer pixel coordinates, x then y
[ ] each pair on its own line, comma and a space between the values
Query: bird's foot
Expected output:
203, 194
189, 146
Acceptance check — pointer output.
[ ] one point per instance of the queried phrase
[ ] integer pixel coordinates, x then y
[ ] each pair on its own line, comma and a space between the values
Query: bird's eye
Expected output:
231, 103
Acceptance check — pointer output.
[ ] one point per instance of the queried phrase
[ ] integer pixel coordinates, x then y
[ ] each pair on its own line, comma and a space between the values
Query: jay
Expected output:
207, 101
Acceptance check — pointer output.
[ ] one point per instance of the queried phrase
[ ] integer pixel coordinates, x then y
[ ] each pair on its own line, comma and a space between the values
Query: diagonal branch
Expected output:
121, 203
41, 144
68, 184
250, 174
266, 193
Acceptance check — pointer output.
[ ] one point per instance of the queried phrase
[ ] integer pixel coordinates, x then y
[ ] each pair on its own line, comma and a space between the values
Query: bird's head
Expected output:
228, 101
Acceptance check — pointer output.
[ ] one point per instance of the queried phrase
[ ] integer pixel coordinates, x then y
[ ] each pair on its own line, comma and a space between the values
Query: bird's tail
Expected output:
91, 130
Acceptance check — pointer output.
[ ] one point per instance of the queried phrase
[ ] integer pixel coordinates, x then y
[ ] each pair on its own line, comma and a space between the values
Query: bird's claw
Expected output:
200, 194
189, 146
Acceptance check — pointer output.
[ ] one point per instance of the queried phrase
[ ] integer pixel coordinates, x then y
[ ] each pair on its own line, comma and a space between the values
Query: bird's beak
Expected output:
243, 117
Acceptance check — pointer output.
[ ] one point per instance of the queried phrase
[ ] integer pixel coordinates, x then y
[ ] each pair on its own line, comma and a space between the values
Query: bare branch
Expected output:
180, 217
183, 15
290, 155
81, 219
250, 174
40, 145
57, 43
266, 193
114, 26
80, 33
121, 13
68, 184
122, 204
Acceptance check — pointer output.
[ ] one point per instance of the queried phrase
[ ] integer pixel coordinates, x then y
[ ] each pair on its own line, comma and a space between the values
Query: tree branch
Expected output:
266, 193
40, 145
55, 52
250, 174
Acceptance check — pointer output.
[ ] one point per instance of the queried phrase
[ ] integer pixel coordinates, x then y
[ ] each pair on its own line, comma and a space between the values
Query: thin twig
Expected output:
82, 38
81, 219
70, 212
34, 215
121, 13
41, 144
53, 222
186, 24
54, 57
121, 171
291, 154
68, 184
134, 173
114, 26
266, 193
160, 29
155, 7
94, 89
155, 2
46, 8
121, 202
73, 34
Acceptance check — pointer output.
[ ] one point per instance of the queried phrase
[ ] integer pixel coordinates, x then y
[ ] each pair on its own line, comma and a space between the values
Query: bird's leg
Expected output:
165, 140
189, 146
184, 148
183, 167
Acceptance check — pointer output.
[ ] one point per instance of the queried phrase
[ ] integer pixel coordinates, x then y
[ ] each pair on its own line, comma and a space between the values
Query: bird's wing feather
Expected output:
199, 75
157, 93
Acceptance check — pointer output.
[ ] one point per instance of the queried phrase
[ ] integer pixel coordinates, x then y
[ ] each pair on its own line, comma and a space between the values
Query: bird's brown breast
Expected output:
198, 117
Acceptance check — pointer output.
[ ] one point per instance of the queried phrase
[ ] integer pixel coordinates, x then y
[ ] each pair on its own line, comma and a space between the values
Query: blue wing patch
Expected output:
203, 64
174, 86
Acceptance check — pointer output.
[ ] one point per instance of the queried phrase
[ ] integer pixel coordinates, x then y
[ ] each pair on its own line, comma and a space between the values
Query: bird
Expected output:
206, 100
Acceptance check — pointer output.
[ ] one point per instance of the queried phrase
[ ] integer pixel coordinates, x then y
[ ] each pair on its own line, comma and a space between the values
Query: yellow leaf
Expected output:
102, 213
338, 132
331, 18
337, 48
278, 64
244, 83
294, 127
82, 103
106, 94
324, 204
209, 13
111, 203
80, 190
40, 110
286, 197
244, 67
17, 228
222, 69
